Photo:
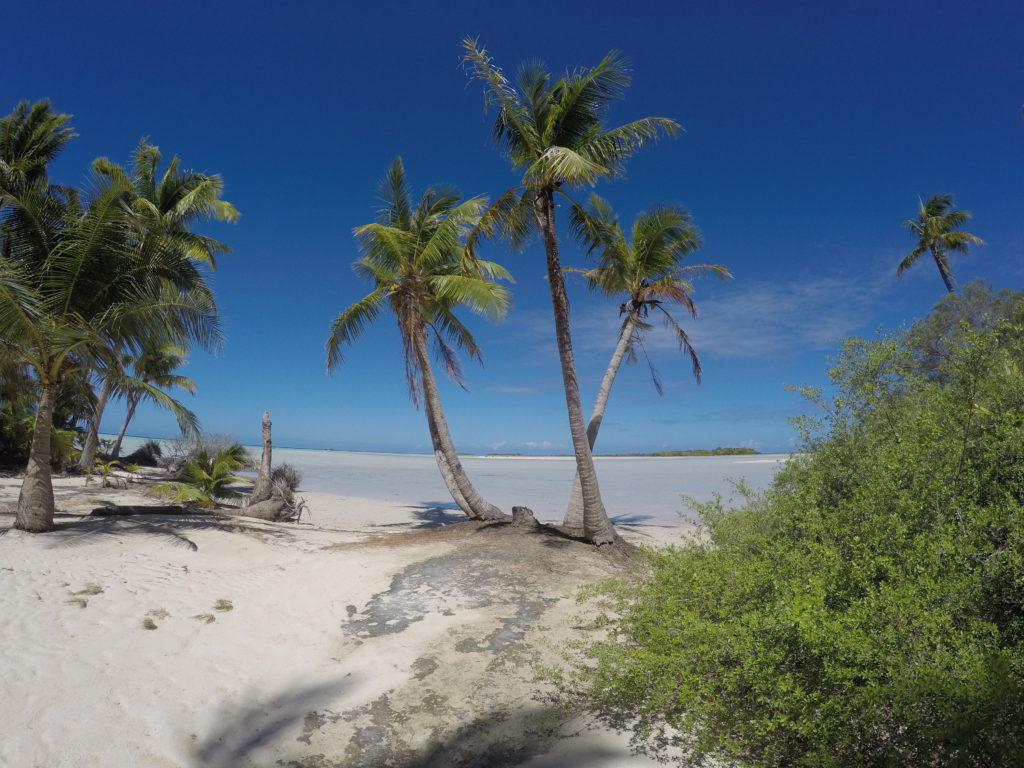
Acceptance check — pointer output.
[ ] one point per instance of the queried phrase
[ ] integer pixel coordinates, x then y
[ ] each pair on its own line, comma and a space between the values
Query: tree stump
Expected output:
522, 517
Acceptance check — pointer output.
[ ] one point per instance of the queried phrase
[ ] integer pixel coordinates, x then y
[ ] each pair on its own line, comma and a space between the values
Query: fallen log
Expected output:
117, 511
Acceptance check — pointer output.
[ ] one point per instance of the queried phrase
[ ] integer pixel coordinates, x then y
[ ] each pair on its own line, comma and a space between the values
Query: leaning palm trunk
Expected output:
35, 502
92, 437
133, 403
574, 514
463, 491
943, 271
597, 528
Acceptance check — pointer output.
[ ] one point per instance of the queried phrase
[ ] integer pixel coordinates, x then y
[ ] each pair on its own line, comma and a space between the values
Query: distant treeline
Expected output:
696, 452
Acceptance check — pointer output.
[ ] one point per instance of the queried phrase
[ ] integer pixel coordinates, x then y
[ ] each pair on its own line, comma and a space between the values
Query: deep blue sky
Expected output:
811, 130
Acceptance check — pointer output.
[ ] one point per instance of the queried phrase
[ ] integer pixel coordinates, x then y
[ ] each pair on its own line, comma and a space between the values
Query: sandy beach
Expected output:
371, 634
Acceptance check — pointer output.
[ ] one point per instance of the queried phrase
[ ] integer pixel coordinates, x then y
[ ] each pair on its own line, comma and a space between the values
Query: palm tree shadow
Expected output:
84, 531
244, 731
431, 514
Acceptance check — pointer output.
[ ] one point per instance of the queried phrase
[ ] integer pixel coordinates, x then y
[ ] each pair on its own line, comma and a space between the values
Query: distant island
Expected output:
696, 452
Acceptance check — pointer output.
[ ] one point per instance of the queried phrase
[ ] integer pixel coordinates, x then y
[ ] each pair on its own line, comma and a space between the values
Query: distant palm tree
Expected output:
417, 260
154, 373
75, 287
553, 131
935, 228
646, 270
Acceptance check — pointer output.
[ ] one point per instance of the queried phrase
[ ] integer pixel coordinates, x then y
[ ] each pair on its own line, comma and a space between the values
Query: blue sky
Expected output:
811, 130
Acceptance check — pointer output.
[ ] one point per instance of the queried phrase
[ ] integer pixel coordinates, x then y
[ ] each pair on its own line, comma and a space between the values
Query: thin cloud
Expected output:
761, 319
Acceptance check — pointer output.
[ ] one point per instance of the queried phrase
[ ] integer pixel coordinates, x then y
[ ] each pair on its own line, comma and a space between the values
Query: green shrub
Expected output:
868, 610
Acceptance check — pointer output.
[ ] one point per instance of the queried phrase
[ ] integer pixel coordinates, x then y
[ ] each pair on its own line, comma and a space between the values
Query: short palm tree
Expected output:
417, 260
74, 288
936, 231
154, 372
646, 271
553, 132
208, 478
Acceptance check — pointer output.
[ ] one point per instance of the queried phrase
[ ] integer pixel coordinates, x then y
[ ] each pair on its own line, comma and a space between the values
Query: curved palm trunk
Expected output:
574, 514
35, 502
465, 493
92, 437
943, 271
133, 403
597, 528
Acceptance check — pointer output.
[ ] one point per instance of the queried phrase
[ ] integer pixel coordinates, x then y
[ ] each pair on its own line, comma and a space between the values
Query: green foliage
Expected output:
868, 610
207, 477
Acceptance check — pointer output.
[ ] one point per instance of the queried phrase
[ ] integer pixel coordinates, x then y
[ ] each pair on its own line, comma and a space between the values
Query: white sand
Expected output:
272, 644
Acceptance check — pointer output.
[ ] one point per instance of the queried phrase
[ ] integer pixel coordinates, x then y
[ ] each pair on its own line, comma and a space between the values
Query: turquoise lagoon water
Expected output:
635, 489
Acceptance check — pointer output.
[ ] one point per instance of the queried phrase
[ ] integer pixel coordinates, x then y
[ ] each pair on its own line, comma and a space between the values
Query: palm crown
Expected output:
553, 130
645, 268
415, 255
936, 228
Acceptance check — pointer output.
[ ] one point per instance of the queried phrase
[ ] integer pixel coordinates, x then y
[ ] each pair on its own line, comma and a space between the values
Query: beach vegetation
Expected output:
868, 609
209, 477
552, 130
937, 229
81, 281
417, 258
287, 475
646, 271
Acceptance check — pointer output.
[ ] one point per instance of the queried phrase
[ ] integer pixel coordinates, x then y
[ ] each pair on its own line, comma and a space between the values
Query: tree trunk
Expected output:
574, 514
35, 502
471, 502
263, 487
597, 528
92, 437
133, 403
943, 271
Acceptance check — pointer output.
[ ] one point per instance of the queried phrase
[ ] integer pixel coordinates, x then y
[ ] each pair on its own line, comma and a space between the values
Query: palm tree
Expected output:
646, 271
75, 286
164, 207
419, 265
935, 228
154, 372
553, 131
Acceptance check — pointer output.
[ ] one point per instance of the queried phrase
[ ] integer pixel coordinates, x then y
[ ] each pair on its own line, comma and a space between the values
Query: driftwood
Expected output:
522, 517
282, 506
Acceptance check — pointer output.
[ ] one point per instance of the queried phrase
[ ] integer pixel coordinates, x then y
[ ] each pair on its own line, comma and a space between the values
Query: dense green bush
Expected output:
868, 610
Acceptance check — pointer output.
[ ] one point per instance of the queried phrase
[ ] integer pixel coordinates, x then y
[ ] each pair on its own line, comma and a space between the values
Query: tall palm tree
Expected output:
75, 287
553, 131
164, 208
154, 373
936, 230
417, 260
646, 271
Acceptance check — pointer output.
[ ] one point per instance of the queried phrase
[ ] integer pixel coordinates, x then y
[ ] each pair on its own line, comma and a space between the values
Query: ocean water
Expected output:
635, 489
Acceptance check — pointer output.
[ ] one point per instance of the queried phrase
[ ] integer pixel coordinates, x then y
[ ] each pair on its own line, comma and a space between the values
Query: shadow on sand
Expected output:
496, 739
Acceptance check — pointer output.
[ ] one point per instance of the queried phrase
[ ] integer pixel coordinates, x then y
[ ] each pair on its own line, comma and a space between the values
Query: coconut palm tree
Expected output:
646, 271
154, 373
936, 231
74, 287
417, 260
553, 132
164, 208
